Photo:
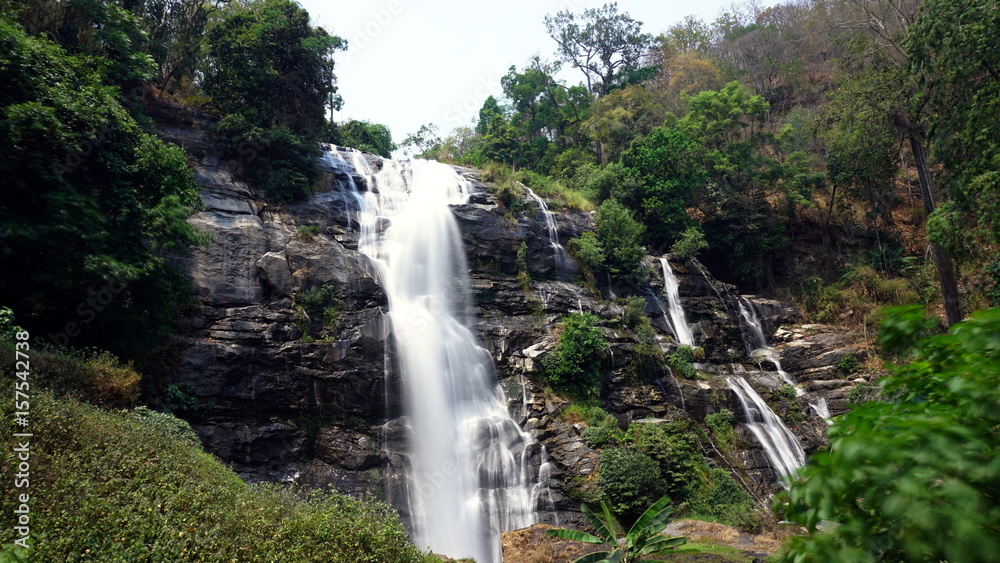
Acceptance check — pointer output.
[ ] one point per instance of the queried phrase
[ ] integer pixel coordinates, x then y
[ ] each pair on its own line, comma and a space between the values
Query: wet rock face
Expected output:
324, 412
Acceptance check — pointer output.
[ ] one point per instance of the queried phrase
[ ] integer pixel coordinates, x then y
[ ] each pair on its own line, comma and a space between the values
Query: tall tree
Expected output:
880, 28
604, 44
954, 54
269, 64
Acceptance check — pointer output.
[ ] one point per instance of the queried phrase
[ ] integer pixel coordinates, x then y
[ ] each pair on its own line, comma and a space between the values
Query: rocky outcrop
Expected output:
285, 397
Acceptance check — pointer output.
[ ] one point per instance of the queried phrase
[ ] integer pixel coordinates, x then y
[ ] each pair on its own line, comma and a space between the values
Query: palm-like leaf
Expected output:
662, 543
643, 537
574, 535
656, 516
604, 530
597, 557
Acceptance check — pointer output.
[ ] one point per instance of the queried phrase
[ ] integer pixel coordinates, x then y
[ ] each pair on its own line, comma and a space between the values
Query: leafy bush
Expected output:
993, 293
849, 364
722, 499
899, 473
675, 447
691, 242
785, 393
91, 375
575, 363
629, 480
308, 231
521, 266
602, 429
680, 362
619, 235
317, 307
721, 424
588, 251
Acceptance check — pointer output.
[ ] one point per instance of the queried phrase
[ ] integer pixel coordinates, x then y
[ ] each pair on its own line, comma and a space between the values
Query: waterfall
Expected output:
469, 476
677, 319
757, 345
559, 255
780, 445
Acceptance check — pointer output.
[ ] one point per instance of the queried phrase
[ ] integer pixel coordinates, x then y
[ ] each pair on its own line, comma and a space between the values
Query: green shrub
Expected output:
785, 393
308, 232
722, 499
849, 364
721, 424
691, 243
575, 363
993, 293
521, 266
629, 481
317, 307
602, 429
91, 375
620, 235
680, 362
588, 251
675, 447
914, 478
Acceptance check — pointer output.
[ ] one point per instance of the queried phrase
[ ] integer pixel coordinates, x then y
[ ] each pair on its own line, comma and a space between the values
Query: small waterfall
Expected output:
559, 255
780, 445
469, 476
821, 409
676, 312
756, 343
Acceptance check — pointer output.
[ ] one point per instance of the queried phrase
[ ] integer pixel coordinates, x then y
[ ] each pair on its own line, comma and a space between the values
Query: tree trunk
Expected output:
945, 267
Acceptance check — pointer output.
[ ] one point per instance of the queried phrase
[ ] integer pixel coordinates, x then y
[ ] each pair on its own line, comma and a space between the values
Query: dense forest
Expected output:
839, 153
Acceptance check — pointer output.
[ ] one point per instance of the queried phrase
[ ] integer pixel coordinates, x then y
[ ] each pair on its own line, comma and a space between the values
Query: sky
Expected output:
414, 62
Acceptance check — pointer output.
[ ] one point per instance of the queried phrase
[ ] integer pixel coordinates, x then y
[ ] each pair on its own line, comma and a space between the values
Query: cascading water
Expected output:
559, 255
469, 476
756, 343
676, 312
780, 445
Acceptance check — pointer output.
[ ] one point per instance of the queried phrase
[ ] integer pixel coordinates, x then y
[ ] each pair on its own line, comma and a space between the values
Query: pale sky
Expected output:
413, 62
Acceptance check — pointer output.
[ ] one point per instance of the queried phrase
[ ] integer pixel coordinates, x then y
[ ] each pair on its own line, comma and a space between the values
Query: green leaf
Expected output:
574, 535
662, 543
596, 557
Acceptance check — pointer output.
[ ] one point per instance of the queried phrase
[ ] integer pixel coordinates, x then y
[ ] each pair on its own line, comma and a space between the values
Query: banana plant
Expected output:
643, 538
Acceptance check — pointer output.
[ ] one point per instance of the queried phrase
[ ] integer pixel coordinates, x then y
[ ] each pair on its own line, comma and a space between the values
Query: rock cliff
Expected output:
290, 360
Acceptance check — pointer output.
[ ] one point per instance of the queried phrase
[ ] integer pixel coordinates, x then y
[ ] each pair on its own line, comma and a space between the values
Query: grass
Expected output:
124, 486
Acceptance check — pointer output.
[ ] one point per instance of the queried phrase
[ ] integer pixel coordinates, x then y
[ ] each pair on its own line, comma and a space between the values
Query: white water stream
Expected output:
469, 476
559, 255
780, 445
676, 312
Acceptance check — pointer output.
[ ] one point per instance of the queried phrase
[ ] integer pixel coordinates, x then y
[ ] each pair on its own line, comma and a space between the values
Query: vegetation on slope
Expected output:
914, 476
120, 485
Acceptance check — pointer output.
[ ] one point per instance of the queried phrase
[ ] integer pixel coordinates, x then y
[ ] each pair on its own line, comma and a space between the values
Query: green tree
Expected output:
269, 64
619, 235
642, 539
88, 205
668, 173
604, 44
365, 136
740, 226
914, 478
954, 54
